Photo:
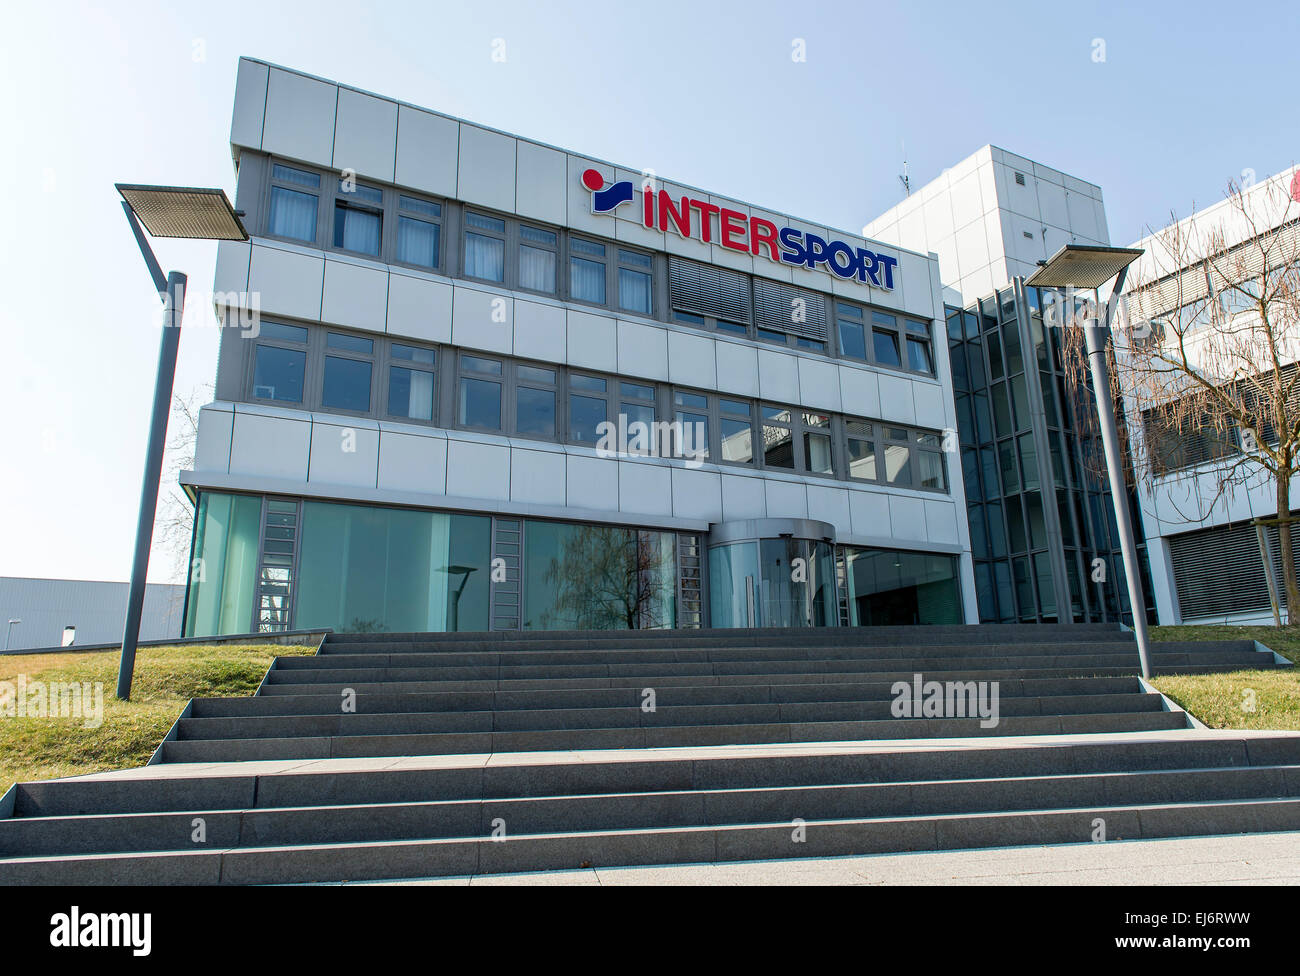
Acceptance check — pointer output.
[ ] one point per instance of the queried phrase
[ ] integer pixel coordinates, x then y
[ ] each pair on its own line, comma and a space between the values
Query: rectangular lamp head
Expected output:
197, 213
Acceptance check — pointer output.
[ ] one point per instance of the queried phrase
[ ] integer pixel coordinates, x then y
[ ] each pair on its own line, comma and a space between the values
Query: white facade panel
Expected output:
270, 445
486, 173
288, 282
478, 468
412, 459
642, 350
482, 319
540, 183
355, 295
344, 452
365, 135
299, 118
428, 150
419, 308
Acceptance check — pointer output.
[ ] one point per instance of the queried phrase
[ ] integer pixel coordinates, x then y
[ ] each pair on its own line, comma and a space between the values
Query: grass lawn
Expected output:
165, 679
1238, 699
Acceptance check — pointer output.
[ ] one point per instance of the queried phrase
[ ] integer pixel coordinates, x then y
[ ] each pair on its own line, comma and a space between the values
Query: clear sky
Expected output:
1188, 96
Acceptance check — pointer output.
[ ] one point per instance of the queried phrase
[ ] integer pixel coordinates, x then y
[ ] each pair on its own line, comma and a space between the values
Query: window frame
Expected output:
305, 347
440, 221
346, 200
321, 192
328, 352
391, 362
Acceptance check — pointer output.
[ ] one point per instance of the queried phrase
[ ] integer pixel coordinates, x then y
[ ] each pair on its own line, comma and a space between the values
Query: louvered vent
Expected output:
1219, 571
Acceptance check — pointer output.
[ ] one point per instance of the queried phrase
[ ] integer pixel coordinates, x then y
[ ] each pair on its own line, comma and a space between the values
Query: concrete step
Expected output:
470, 818
432, 857
639, 737
723, 637
417, 655
625, 716
299, 674
629, 696
554, 775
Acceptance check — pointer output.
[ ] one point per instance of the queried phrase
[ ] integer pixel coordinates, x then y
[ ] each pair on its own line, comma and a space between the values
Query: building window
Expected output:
778, 438
637, 405
410, 387
348, 367
588, 407
817, 444
931, 470
419, 231
862, 450
538, 257
736, 426
586, 271
634, 281
280, 362
691, 411
853, 341
358, 218
293, 208
485, 247
884, 338
898, 457
479, 394
919, 355
789, 316
535, 401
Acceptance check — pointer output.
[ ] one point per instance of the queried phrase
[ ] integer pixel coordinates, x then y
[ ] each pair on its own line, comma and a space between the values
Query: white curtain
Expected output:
421, 401
360, 231
587, 280
485, 257
634, 291
417, 242
819, 453
536, 268
293, 214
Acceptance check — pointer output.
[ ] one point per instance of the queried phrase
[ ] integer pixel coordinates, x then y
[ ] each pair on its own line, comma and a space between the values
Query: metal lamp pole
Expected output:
1095, 339
194, 213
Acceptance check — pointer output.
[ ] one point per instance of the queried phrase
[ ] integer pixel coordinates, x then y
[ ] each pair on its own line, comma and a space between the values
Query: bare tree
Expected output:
1207, 350
174, 524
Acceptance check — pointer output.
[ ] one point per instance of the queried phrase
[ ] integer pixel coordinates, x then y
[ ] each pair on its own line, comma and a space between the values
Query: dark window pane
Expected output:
634, 291
410, 393
778, 447
485, 223
852, 339
734, 328
278, 374
695, 433
585, 415
347, 384
932, 470
886, 347
478, 365
535, 412
421, 206
536, 374
287, 333
637, 391
290, 175
413, 353
480, 403
337, 340
590, 384
692, 400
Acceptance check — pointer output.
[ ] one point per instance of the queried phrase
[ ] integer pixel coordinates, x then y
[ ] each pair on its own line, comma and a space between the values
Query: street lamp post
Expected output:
165, 211
1090, 267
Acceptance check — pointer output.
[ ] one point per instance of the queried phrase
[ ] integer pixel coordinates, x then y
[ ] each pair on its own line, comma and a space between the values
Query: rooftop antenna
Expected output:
907, 183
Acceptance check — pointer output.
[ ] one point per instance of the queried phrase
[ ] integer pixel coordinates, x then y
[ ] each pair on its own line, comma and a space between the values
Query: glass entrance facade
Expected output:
268, 563
782, 582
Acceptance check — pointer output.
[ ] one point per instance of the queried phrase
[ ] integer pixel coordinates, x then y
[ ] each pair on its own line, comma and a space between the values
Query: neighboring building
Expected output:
991, 219
413, 436
1210, 563
55, 612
